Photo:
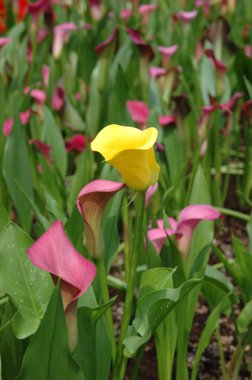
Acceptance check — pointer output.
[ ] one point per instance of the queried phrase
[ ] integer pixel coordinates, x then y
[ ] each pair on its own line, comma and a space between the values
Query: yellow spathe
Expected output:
129, 150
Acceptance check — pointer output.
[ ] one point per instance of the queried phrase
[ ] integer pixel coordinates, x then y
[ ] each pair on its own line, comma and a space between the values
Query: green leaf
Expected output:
245, 318
72, 118
153, 306
93, 353
48, 356
17, 168
3, 217
28, 286
55, 139
211, 324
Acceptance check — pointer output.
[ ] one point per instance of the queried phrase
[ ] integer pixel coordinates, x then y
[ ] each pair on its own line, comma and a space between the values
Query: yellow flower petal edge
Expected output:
129, 150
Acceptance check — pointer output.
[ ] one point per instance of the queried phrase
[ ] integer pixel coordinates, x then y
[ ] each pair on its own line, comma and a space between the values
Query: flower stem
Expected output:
102, 276
137, 241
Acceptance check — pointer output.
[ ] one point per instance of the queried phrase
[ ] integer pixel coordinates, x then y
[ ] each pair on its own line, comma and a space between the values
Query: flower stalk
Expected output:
119, 370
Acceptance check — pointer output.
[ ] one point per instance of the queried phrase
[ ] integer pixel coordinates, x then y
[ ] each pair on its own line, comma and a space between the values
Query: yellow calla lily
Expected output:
129, 150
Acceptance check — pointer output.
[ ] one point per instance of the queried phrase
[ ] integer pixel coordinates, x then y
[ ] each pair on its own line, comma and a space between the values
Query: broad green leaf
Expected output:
152, 307
211, 324
17, 168
28, 286
72, 118
55, 139
94, 107
3, 217
48, 356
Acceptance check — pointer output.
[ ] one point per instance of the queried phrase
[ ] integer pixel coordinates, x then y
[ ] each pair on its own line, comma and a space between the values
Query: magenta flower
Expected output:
25, 116
185, 17
219, 65
58, 98
139, 112
144, 48
91, 203
125, 13
39, 96
4, 41
183, 230
149, 193
166, 120
7, 127
76, 142
42, 147
39, 7
54, 253
61, 35
167, 51
156, 72
99, 49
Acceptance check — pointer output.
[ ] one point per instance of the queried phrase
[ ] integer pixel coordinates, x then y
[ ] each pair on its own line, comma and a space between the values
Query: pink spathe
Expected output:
54, 253
139, 111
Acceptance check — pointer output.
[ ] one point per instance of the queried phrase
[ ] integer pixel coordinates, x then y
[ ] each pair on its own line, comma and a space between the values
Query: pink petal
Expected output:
54, 253
38, 95
159, 235
228, 106
156, 72
100, 48
167, 51
46, 75
5, 41
135, 36
144, 48
139, 111
125, 13
58, 98
248, 51
39, 7
76, 142
185, 16
166, 120
42, 34
61, 35
147, 8
220, 67
7, 127
149, 193
91, 203
25, 116
42, 147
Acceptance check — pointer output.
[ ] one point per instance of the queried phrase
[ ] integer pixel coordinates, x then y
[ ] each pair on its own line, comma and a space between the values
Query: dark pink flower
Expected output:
25, 116
42, 147
166, 120
144, 48
183, 230
139, 111
91, 202
99, 49
39, 96
156, 72
76, 142
185, 17
61, 35
248, 51
167, 51
39, 7
54, 253
125, 13
7, 127
42, 34
58, 98
4, 41
219, 65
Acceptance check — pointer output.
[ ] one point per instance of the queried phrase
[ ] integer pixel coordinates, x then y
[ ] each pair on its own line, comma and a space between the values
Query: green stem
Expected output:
137, 241
235, 214
102, 276
139, 358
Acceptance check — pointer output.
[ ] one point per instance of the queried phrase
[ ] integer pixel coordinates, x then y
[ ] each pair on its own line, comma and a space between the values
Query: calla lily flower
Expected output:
61, 35
219, 65
144, 48
139, 112
91, 203
131, 152
99, 49
167, 51
156, 72
183, 230
166, 120
76, 142
54, 253
58, 98
46, 75
42, 147
39, 96
185, 17
7, 127
149, 193
5, 41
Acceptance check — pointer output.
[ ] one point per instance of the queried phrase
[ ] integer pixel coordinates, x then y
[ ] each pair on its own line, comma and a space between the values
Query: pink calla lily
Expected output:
156, 72
99, 49
149, 193
4, 41
185, 17
42, 147
39, 96
219, 65
183, 230
58, 98
139, 111
166, 120
54, 253
76, 142
167, 51
91, 203
61, 35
